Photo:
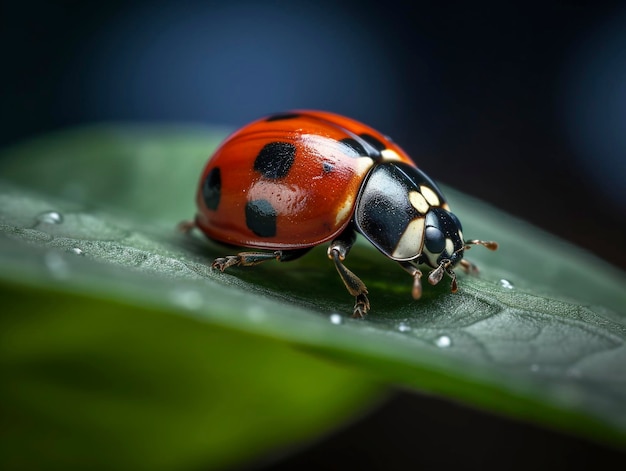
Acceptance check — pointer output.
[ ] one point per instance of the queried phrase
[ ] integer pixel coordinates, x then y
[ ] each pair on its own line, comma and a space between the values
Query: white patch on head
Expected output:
430, 195
410, 244
419, 202
389, 154
344, 209
431, 258
449, 246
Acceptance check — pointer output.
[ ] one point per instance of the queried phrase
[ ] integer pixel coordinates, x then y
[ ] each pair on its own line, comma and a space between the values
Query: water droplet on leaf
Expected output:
506, 284
50, 217
443, 341
336, 319
404, 327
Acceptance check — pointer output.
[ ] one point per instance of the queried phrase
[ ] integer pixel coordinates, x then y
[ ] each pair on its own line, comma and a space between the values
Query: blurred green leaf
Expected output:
538, 335
92, 383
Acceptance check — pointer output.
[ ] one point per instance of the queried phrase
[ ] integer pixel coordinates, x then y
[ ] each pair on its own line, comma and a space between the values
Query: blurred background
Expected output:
522, 106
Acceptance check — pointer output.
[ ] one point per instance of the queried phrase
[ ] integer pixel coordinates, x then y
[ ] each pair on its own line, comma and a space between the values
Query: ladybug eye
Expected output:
434, 240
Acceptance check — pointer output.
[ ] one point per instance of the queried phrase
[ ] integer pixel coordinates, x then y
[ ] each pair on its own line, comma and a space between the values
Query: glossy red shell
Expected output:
312, 203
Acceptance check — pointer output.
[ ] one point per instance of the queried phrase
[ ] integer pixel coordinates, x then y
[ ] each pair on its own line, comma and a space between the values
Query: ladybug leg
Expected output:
453, 286
248, 259
412, 270
337, 252
186, 226
468, 267
244, 259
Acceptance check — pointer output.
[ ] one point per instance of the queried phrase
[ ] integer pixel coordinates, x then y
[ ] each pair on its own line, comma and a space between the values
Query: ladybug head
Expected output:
444, 245
443, 238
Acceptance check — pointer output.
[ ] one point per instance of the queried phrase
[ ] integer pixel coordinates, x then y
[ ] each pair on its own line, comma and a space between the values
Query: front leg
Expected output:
337, 252
412, 270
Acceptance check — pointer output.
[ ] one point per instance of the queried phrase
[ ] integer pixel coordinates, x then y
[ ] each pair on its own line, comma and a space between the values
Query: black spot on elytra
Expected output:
281, 116
275, 159
328, 167
261, 218
372, 141
212, 188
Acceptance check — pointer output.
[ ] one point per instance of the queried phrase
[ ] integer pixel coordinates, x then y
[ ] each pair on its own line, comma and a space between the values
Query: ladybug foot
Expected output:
468, 267
223, 263
361, 307
186, 226
436, 275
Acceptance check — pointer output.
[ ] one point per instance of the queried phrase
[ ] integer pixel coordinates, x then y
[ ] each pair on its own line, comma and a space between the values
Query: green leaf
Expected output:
538, 335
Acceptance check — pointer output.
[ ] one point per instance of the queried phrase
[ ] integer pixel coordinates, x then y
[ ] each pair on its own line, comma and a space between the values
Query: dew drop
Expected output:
187, 299
443, 341
57, 265
336, 319
76, 251
404, 327
50, 217
506, 284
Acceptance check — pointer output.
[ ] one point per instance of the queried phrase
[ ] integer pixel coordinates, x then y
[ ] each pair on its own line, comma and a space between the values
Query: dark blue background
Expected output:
521, 105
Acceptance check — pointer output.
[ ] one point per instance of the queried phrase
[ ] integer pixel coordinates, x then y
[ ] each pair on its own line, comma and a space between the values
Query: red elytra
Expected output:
313, 201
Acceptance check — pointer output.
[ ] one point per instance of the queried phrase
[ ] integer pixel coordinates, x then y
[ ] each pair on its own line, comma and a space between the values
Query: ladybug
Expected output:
294, 180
